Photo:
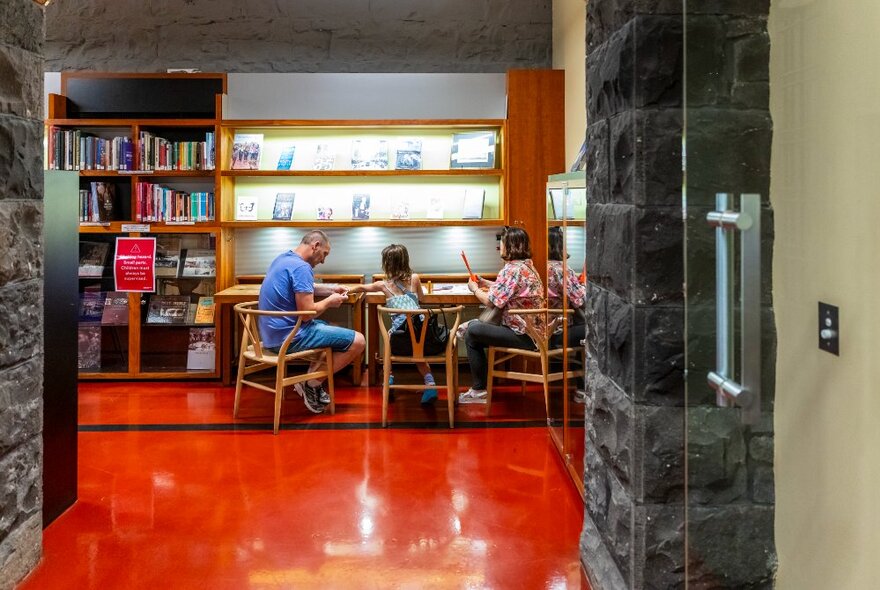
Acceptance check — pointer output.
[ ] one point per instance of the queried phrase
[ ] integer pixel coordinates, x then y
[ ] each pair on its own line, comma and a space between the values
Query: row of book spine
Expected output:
158, 203
71, 149
158, 153
94, 207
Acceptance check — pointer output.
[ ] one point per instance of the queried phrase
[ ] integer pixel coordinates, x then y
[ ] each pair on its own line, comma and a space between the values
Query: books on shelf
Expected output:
369, 154
475, 149
246, 208
92, 258
435, 207
98, 202
115, 309
75, 149
285, 158
201, 350
154, 202
324, 213
246, 148
167, 309
199, 263
400, 207
158, 153
474, 198
283, 210
167, 256
409, 155
205, 311
325, 157
88, 350
360, 206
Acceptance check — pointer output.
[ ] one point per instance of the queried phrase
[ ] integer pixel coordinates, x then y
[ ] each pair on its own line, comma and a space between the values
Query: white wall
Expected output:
825, 84
569, 54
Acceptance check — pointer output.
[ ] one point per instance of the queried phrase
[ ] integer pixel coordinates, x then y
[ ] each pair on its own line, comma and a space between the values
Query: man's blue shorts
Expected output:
320, 334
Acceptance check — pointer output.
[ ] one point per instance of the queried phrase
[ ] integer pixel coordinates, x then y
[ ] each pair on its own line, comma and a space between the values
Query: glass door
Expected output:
729, 326
566, 297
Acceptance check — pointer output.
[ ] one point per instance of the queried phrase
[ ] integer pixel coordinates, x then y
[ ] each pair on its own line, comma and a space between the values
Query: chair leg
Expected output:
451, 390
544, 371
489, 378
241, 363
328, 352
279, 394
386, 372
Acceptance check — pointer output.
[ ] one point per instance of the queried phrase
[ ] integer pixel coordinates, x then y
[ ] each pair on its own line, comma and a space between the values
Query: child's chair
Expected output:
417, 339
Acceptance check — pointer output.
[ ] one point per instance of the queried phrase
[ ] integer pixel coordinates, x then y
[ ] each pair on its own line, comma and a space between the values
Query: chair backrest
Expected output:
249, 313
541, 323
419, 337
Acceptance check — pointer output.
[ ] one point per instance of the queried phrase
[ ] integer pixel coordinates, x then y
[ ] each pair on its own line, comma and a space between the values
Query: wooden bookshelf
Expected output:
131, 351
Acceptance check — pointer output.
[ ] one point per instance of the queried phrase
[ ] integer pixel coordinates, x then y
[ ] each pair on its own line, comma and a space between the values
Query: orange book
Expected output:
468, 266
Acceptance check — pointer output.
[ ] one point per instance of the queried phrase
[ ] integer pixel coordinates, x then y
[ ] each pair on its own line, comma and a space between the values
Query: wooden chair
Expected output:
540, 328
417, 339
254, 357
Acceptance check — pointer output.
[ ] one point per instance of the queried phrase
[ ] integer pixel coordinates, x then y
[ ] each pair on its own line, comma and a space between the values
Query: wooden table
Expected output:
226, 300
437, 298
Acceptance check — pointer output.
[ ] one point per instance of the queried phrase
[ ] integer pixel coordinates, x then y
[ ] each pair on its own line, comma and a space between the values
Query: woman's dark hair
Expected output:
516, 244
555, 243
395, 263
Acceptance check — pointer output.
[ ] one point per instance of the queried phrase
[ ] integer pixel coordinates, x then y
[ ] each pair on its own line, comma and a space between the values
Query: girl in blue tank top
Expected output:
402, 290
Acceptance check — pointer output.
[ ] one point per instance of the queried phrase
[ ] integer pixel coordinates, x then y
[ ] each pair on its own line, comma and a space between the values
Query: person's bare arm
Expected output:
481, 295
416, 286
325, 289
306, 302
370, 288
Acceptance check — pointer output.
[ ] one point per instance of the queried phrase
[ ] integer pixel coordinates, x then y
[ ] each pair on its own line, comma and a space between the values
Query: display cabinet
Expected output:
566, 287
362, 173
144, 148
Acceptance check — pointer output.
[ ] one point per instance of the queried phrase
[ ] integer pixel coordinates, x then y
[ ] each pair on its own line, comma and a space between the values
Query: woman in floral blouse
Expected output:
518, 286
561, 281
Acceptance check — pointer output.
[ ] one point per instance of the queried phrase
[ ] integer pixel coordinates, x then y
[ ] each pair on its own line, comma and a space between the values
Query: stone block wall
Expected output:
299, 36
634, 525
21, 298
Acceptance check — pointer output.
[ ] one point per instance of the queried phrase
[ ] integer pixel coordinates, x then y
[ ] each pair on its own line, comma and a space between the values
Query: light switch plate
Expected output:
829, 328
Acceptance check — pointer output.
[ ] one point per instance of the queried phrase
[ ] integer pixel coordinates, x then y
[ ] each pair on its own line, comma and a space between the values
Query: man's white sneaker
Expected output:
473, 396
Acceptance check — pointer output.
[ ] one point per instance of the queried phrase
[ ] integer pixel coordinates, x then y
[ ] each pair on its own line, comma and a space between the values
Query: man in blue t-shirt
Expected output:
290, 286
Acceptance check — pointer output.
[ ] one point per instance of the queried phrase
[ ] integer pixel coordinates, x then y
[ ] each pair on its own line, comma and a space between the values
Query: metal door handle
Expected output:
747, 395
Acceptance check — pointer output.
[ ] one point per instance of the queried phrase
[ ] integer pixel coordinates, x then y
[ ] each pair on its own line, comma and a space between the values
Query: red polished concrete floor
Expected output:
172, 494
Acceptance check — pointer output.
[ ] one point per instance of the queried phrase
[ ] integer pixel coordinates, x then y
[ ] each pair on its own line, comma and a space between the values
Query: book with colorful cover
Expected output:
283, 210
168, 309
409, 155
475, 149
115, 309
199, 263
202, 349
324, 213
246, 148
360, 206
369, 154
205, 311
285, 159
